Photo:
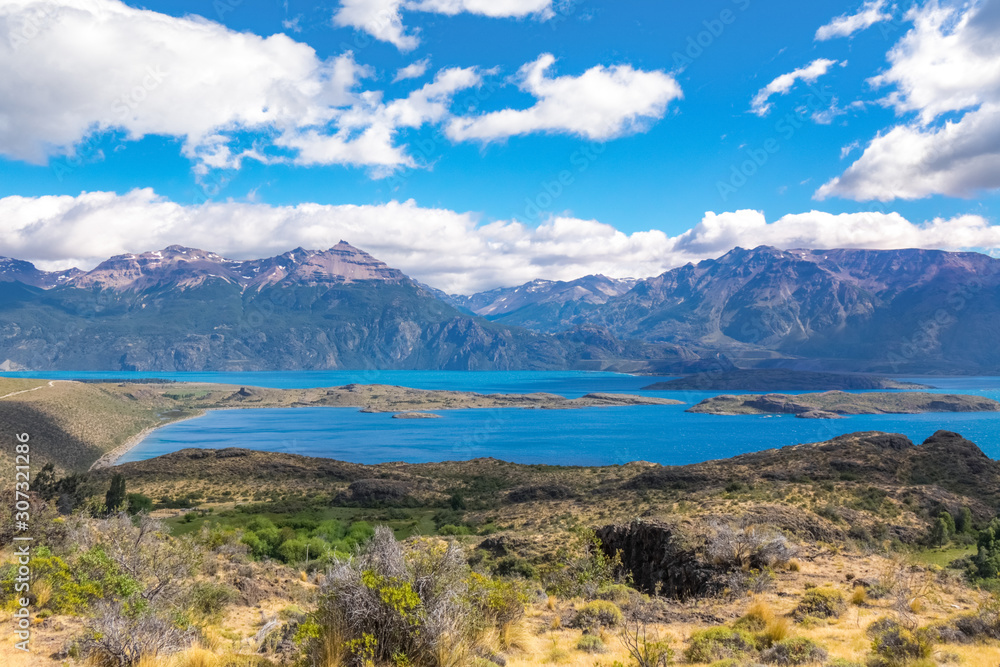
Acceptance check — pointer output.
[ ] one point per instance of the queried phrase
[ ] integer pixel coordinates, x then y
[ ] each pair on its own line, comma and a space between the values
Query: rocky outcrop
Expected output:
369, 492
842, 403
659, 562
779, 379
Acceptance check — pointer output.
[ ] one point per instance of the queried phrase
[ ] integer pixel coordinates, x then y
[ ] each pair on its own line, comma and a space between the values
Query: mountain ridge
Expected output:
187, 309
876, 311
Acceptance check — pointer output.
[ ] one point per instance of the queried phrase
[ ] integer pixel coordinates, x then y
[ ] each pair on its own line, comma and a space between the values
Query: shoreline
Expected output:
110, 458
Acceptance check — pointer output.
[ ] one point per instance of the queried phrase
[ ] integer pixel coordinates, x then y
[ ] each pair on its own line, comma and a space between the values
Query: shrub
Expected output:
895, 646
640, 636
120, 636
758, 615
208, 599
617, 593
794, 651
776, 631
138, 502
719, 643
748, 547
859, 596
591, 644
583, 568
597, 614
821, 602
423, 604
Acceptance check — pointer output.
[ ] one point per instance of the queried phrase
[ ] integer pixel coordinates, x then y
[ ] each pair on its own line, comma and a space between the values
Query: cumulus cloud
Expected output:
945, 73
760, 104
231, 96
382, 19
366, 132
412, 71
64, 78
845, 25
821, 230
601, 103
199, 81
958, 159
453, 251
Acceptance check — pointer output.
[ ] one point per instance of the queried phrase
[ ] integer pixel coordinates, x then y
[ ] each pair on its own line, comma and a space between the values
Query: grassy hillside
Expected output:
840, 534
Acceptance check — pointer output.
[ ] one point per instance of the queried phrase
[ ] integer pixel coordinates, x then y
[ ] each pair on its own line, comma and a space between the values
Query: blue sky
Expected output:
682, 125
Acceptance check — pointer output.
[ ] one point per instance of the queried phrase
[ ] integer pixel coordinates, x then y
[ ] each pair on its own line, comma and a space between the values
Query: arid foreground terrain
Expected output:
867, 549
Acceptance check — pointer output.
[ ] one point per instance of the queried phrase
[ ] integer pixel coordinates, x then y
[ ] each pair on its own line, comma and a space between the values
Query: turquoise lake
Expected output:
593, 436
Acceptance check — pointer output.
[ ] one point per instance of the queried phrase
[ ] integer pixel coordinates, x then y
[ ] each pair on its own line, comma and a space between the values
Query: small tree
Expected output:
116, 498
949, 521
939, 533
964, 522
641, 638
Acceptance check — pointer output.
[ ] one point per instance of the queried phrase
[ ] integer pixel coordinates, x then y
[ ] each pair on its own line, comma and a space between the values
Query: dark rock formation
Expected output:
375, 492
659, 561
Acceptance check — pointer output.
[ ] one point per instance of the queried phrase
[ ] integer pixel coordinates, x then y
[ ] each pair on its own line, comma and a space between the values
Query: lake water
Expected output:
593, 436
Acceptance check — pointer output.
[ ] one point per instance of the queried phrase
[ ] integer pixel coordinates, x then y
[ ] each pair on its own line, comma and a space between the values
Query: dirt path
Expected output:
25, 391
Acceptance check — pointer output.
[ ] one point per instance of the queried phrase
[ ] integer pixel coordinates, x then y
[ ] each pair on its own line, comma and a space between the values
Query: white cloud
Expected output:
958, 159
412, 71
817, 229
453, 251
366, 132
948, 61
945, 72
64, 78
379, 18
784, 83
382, 19
601, 103
872, 12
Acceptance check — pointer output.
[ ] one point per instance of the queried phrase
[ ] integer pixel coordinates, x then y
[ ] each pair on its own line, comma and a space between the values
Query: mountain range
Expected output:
186, 309
895, 311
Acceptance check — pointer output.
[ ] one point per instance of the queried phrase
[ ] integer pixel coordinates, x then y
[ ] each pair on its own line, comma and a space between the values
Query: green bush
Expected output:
597, 614
895, 646
513, 566
617, 593
582, 567
986, 562
418, 606
138, 502
794, 651
209, 600
591, 644
821, 603
720, 643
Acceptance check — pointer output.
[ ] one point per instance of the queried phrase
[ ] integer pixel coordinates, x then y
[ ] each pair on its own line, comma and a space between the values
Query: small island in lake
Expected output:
780, 379
833, 404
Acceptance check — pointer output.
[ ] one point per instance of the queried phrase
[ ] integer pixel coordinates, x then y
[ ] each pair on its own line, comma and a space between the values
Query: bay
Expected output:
592, 436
